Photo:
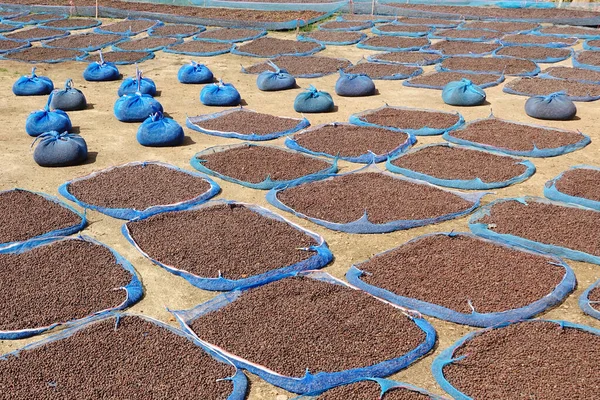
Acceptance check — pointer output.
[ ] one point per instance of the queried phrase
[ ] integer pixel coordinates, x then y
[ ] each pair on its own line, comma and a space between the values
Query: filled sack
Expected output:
280, 79
354, 85
463, 93
220, 94
136, 107
33, 85
195, 73
68, 99
555, 106
313, 101
45, 120
137, 84
60, 149
158, 131
101, 71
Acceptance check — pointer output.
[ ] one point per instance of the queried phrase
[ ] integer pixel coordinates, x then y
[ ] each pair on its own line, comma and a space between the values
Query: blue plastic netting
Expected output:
92, 24
593, 33
128, 32
547, 60
552, 192
134, 289
306, 76
446, 357
587, 45
357, 25
558, 294
535, 152
325, 6
422, 62
117, 47
440, 35
386, 385
361, 120
500, 70
465, 25
321, 258
259, 33
239, 380
305, 38
9, 28
397, 31
195, 30
463, 184
510, 90
196, 122
393, 77
78, 57
322, 380
363, 225
466, 75
548, 74
268, 183
114, 39
364, 45
49, 33
484, 230
29, 243
129, 213
582, 64
590, 307
23, 45
478, 53
366, 158
555, 45
35, 21
318, 47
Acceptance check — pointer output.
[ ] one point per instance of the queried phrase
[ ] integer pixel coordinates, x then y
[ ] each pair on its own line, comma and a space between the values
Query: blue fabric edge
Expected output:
584, 301
551, 191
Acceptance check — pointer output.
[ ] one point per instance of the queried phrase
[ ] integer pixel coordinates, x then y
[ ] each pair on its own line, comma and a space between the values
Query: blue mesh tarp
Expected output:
80, 56
29, 243
393, 77
318, 47
466, 75
593, 34
324, 6
363, 45
366, 158
129, 213
546, 60
470, 54
50, 33
535, 152
587, 45
306, 76
552, 192
9, 28
239, 380
195, 124
386, 386
134, 290
322, 380
484, 230
196, 29
359, 25
590, 307
398, 30
259, 33
548, 74
10, 13
363, 225
500, 70
268, 183
172, 49
92, 47
439, 34
22, 46
558, 44
374, 58
465, 25
580, 64
35, 21
117, 47
463, 184
321, 258
305, 38
128, 32
558, 294
95, 23
446, 357
360, 119
510, 90
143, 56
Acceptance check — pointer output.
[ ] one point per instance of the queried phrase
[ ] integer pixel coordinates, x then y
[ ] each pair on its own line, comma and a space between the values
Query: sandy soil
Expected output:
111, 142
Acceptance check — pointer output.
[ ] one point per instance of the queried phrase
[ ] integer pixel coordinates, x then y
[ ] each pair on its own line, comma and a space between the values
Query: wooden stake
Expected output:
96, 8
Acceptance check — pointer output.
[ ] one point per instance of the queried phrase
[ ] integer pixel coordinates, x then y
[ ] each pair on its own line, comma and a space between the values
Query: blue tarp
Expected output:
552, 192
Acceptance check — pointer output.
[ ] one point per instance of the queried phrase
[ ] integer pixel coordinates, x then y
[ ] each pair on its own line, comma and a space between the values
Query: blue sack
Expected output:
136, 107
68, 99
131, 86
158, 131
354, 85
463, 93
101, 71
33, 85
280, 79
60, 149
313, 101
555, 106
44, 120
195, 73
220, 94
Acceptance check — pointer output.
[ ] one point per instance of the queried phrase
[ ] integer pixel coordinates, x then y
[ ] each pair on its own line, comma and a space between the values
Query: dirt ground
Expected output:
111, 142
